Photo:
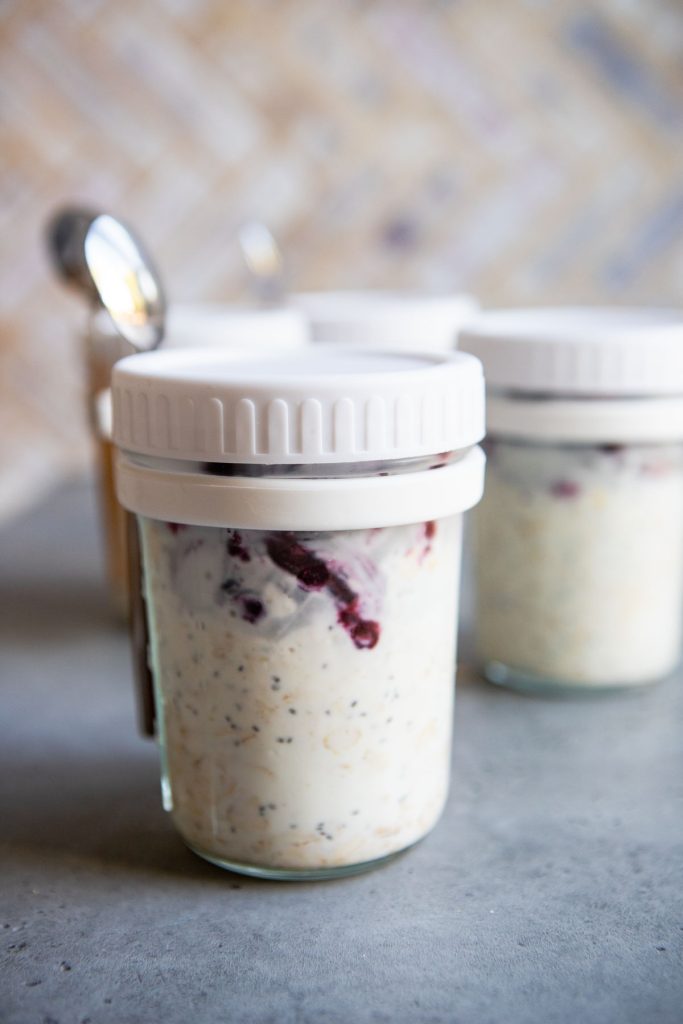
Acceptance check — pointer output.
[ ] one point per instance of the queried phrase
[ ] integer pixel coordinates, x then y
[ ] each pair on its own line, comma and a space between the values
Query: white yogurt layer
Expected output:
580, 561
304, 686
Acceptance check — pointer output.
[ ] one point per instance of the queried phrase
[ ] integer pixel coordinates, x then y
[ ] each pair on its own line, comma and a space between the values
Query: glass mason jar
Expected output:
189, 326
301, 561
579, 537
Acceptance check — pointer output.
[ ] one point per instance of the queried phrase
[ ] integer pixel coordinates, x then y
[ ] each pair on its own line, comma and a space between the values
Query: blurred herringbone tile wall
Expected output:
526, 151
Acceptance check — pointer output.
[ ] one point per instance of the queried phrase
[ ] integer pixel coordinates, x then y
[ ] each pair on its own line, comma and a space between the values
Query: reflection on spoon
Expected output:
264, 259
125, 282
104, 260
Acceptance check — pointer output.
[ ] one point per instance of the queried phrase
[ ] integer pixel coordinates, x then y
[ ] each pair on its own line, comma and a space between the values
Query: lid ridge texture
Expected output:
601, 352
328, 406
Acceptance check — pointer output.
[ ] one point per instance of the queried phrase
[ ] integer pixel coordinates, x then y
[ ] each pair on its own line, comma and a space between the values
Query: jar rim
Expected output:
286, 503
588, 420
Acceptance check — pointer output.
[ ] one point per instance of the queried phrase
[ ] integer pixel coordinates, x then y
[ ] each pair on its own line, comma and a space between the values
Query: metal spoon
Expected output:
264, 260
65, 236
103, 258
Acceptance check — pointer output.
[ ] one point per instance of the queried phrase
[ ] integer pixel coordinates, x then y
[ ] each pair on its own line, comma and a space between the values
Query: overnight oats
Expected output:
301, 587
579, 538
574, 579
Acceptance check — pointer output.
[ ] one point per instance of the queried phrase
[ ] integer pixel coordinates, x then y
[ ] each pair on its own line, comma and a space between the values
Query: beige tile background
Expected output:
526, 151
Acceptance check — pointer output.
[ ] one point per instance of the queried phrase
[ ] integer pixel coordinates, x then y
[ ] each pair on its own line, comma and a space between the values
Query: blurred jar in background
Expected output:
579, 538
401, 321
206, 325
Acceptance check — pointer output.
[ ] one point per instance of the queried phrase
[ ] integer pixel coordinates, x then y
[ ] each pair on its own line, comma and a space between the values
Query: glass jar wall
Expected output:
304, 689
580, 563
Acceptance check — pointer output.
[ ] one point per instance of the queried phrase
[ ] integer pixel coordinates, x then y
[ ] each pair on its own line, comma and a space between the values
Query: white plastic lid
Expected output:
587, 421
209, 324
597, 352
295, 503
309, 406
385, 319
215, 324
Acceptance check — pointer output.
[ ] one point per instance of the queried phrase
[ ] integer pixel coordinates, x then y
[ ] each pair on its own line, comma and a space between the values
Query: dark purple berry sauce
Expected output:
612, 449
176, 527
441, 460
235, 546
430, 532
252, 609
363, 632
565, 489
313, 573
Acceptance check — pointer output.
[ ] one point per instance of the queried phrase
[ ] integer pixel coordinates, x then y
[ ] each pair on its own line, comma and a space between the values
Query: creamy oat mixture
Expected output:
580, 561
305, 684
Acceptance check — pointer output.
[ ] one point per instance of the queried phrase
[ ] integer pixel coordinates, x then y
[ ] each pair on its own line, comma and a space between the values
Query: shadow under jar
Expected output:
579, 537
301, 554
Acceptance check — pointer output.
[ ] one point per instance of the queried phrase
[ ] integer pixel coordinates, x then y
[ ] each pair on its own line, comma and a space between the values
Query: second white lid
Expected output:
401, 320
309, 406
205, 325
580, 351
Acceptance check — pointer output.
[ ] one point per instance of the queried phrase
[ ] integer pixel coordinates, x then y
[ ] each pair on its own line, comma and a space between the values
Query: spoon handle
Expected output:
139, 632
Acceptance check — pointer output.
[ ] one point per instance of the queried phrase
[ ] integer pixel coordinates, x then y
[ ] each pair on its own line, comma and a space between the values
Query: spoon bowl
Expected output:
65, 236
125, 281
104, 260
265, 263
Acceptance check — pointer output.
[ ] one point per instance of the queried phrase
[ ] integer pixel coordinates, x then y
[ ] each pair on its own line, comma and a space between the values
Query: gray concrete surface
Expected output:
550, 892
